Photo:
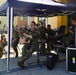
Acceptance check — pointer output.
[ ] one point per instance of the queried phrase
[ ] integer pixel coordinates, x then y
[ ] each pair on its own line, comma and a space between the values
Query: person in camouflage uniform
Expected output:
1, 51
2, 48
15, 40
50, 39
29, 47
69, 38
23, 29
3, 43
42, 31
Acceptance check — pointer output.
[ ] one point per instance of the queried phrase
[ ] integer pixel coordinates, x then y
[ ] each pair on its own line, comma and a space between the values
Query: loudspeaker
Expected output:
51, 60
71, 59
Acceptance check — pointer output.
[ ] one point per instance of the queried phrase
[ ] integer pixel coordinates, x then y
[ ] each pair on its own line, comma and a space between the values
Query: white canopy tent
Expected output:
30, 8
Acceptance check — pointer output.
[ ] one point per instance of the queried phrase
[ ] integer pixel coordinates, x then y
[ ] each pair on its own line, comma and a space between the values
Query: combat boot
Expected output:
21, 63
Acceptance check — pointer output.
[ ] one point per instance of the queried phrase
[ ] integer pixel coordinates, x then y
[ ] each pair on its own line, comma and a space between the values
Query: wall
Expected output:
62, 20
57, 21
3, 22
36, 19
15, 21
22, 22
2, 1
2, 19
53, 22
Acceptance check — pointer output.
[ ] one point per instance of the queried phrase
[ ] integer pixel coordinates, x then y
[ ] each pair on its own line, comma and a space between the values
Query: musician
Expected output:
3, 43
72, 28
15, 40
30, 44
42, 32
70, 37
50, 37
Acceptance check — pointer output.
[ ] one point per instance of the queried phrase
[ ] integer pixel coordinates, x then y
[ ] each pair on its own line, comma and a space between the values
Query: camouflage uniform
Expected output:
14, 43
22, 31
41, 33
29, 48
1, 50
50, 39
69, 38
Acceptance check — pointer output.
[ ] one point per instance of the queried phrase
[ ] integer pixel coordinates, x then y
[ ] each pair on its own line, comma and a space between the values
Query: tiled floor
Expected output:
32, 69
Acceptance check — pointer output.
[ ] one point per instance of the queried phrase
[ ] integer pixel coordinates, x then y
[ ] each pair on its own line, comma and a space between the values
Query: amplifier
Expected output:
71, 60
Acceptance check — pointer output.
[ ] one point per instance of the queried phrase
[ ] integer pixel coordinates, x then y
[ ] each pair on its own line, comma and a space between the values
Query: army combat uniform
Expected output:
3, 43
69, 38
13, 44
41, 33
29, 48
1, 48
15, 41
50, 39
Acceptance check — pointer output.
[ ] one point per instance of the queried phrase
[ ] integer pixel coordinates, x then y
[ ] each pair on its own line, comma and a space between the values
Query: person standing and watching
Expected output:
42, 32
50, 38
15, 40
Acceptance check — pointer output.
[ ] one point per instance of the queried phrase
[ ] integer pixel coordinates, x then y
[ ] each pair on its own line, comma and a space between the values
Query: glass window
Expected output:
25, 18
19, 17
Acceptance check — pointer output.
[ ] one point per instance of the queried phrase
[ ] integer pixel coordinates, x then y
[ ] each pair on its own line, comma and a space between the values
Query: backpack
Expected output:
51, 60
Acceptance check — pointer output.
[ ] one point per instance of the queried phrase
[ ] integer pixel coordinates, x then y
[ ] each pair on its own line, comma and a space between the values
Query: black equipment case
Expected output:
71, 59
51, 60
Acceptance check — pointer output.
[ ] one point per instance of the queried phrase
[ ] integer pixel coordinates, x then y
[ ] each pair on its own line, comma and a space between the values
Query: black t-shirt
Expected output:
51, 34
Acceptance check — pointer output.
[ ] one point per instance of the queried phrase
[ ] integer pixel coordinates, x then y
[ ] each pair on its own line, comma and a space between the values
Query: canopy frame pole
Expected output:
9, 32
